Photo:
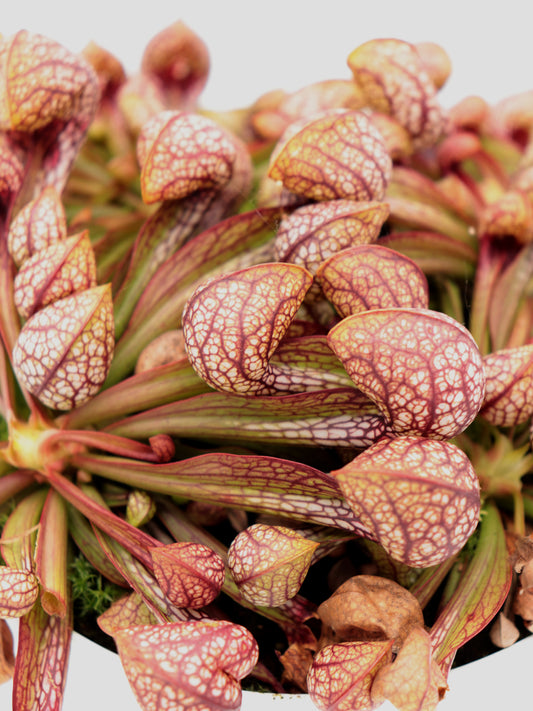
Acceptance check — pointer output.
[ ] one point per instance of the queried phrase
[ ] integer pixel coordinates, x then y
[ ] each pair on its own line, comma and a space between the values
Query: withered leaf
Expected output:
368, 607
503, 631
414, 681
296, 661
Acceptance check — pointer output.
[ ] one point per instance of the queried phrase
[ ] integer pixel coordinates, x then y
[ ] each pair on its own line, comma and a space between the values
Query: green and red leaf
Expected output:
205, 255
393, 78
179, 59
128, 611
433, 252
510, 214
19, 532
254, 482
340, 155
45, 89
190, 574
422, 368
508, 386
419, 497
509, 298
269, 563
188, 664
85, 539
41, 82
311, 355
64, 351
42, 654
271, 115
436, 62
162, 234
19, 589
341, 676
11, 170
315, 232
167, 383
371, 276
63, 269
88, 501
38, 225
482, 589
340, 417
140, 508
51, 570
181, 153
142, 580
7, 657
234, 323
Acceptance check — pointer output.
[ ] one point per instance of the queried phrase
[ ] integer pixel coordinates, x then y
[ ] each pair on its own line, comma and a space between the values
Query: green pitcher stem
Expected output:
488, 270
519, 514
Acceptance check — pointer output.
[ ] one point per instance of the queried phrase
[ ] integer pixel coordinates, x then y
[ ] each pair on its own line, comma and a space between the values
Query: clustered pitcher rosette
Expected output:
268, 369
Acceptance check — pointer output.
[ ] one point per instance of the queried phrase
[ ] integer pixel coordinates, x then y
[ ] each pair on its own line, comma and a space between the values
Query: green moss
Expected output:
3, 429
92, 594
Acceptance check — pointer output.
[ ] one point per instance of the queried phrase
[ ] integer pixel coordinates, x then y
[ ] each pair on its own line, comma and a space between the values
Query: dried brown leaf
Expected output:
413, 682
296, 661
503, 631
368, 607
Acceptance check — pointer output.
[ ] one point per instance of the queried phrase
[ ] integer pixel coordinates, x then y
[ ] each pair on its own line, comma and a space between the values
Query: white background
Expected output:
258, 46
